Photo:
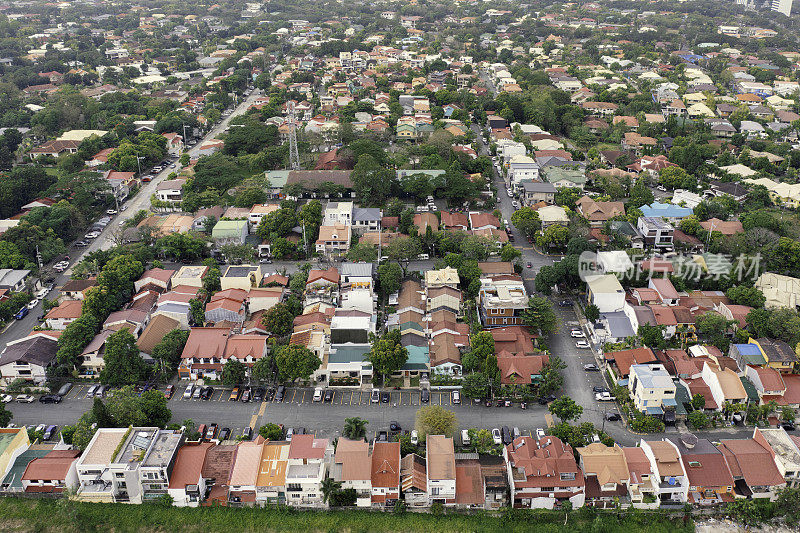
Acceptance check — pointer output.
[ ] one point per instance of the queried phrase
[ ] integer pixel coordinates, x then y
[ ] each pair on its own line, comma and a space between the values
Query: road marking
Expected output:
262, 409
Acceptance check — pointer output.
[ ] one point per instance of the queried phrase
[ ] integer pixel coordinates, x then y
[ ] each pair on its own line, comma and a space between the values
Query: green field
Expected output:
27, 515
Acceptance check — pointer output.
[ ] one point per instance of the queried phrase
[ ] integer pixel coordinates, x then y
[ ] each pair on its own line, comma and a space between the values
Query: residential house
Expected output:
605, 292
441, 469
606, 473
352, 468
755, 474
333, 240
651, 389
230, 231
414, 480
271, 479
670, 480
306, 468
710, 480
785, 452
543, 473
778, 354
599, 212
187, 486
28, 358
203, 353
385, 474
502, 300
535, 191
656, 232
60, 317
53, 473
242, 277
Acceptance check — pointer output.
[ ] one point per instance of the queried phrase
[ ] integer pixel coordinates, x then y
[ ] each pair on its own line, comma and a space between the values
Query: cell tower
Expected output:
294, 156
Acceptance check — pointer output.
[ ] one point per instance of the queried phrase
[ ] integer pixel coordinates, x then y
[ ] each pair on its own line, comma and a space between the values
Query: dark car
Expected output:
247, 434
258, 394
394, 426
788, 426
565, 303
385, 397
613, 417
529, 264
22, 313
50, 432
64, 390
544, 400
224, 433
206, 393
383, 436
506, 435
499, 403
328, 396
50, 398
425, 396
280, 393
600, 389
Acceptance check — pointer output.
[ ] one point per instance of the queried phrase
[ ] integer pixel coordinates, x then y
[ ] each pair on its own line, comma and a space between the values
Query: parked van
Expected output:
187, 394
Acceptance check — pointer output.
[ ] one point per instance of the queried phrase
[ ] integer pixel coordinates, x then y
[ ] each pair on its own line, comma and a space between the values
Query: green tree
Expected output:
123, 365
435, 420
278, 320
592, 313
481, 441
389, 277
5, 416
170, 348
355, 428
387, 354
698, 402
509, 253
743, 295
295, 362
233, 373
540, 315
329, 487
652, 336
640, 194
555, 236
371, 182
565, 409
475, 385
698, 420
271, 431
363, 251
197, 312
262, 369
527, 221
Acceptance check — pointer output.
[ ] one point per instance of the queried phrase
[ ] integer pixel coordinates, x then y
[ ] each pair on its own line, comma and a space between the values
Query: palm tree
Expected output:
354, 428
329, 486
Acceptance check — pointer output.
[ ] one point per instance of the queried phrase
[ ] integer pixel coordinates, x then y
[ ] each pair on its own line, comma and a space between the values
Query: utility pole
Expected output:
294, 156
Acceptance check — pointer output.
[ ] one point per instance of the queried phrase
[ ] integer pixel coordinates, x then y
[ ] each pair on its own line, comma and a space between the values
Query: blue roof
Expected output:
654, 410
748, 349
665, 210
418, 358
669, 401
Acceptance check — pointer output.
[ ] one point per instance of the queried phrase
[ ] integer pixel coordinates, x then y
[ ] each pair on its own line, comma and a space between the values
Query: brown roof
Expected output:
385, 461
312, 179
159, 326
748, 459
513, 339
423, 220
53, 466
519, 369
78, 285
638, 464
441, 457
206, 342
625, 358
726, 227
413, 472
454, 219
410, 295
704, 464
353, 455
276, 278
667, 458
219, 462
188, 466
443, 350
331, 274
469, 483
67, 309
538, 464
307, 447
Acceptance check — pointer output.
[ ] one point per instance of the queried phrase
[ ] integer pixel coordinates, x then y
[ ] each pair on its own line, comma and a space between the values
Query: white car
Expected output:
465, 437
187, 394
577, 334
414, 437
24, 398
6, 398
111, 212
92, 235
496, 436
604, 397
581, 344
32, 304
509, 193
540, 434
515, 204
317, 394
41, 293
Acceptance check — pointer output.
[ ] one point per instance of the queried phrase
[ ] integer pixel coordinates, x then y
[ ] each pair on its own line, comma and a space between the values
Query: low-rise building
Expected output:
502, 301
651, 389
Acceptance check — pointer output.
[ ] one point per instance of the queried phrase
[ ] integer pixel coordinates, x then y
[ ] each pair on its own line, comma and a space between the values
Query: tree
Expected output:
233, 373
278, 320
403, 250
435, 420
592, 313
526, 220
389, 277
481, 441
387, 354
296, 362
371, 182
197, 312
169, 349
743, 295
509, 253
329, 486
698, 420
123, 365
271, 431
698, 402
540, 315
262, 369
475, 385
565, 409
5, 416
354, 428
363, 251
652, 336
640, 194
555, 236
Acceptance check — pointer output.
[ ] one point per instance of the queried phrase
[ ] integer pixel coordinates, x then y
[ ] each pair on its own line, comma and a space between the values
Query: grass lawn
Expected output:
29, 515
395, 382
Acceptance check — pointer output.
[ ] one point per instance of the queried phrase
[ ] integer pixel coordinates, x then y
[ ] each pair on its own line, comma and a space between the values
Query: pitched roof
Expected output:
159, 326
748, 459
607, 463
385, 462
188, 466
353, 456
441, 457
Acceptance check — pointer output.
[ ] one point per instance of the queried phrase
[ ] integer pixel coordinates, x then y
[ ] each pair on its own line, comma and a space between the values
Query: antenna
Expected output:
294, 156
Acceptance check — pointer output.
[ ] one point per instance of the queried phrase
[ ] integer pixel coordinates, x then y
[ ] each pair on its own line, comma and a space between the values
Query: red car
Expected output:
169, 391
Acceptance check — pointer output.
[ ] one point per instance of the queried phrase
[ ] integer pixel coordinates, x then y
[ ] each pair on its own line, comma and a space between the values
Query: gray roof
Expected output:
619, 325
538, 186
239, 271
356, 269
9, 278
361, 214
348, 353
36, 350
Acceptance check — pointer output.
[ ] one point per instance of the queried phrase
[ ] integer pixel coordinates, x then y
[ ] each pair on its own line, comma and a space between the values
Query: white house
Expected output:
606, 292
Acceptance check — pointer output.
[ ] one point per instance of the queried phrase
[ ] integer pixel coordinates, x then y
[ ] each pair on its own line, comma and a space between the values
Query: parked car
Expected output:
111, 211
93, 389
188, 392
414, 437
32, 304
169, 391
22, 313
65, 388
523, 405
516, 433
565, 303
247, 434
246, 394
496, 436
576, 333
197, 393
101, 391
600, 389
425, 396
582, 344
50, 398
465, 437
385, 397
81, 244
539, 433
224, 433
206, 393
376, 396
529, 265
201, 430
328, 396
24, 398
505, 433
317, 394
383, 436
591, 367
604, 397
50, 432
6, 398
258, 394
613, 417
234, 395
394, 425
280, 393
289, 434
211, 432
456, 397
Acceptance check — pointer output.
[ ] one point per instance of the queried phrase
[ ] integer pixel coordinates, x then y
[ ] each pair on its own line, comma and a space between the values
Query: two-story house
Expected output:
352, 468
441, 469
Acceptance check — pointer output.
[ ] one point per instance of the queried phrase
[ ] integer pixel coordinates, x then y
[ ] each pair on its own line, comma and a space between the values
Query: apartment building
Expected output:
502, 301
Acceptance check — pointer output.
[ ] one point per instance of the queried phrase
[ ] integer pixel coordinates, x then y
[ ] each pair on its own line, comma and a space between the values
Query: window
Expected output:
568, 476
547, 489
435, 491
